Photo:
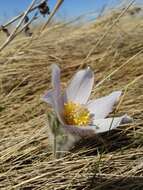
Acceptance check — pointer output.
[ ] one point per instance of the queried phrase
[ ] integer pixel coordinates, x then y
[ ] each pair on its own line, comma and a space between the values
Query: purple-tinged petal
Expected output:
48, 97
58, 107
103, 106
127, 119
85, 131
58, 100
56, 80
100, 126
104, 125
54, 96
80, 86
56, 91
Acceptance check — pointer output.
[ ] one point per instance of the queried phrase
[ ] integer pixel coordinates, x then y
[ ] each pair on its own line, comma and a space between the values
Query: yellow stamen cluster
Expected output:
76, 114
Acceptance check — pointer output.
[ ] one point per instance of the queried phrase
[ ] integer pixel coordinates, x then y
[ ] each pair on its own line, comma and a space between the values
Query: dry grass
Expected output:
109, 161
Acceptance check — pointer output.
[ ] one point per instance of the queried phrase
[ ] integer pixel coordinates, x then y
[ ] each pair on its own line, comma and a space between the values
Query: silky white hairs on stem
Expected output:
60, 140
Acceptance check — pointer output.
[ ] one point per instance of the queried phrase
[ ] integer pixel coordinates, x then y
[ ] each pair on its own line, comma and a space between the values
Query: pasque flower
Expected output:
76, 113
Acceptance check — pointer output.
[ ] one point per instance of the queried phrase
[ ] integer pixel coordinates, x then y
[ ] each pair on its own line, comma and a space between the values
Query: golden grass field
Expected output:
109, 161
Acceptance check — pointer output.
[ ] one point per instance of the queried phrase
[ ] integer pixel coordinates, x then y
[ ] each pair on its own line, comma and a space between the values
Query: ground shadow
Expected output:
105, 142
114, 183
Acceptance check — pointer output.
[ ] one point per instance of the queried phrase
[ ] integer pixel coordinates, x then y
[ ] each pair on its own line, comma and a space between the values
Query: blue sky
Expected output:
70, 8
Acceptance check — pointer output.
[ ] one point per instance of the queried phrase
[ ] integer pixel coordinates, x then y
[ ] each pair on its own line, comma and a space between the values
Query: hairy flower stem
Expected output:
55, 145
55, 131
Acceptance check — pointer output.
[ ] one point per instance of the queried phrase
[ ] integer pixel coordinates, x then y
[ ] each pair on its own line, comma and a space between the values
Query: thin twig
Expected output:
27, 24
55, 145
57, 6
19, 16
11, 37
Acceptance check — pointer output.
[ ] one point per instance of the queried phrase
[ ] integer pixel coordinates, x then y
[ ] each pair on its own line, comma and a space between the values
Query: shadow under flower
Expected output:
103, 143
118, 182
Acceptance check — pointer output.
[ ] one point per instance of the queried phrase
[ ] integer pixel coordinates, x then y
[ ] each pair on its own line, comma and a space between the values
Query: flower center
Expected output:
76, 114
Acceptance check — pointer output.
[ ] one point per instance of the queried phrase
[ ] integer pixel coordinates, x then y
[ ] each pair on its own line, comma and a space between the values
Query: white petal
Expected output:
48, 97
80, 87
103, 125
103, 106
